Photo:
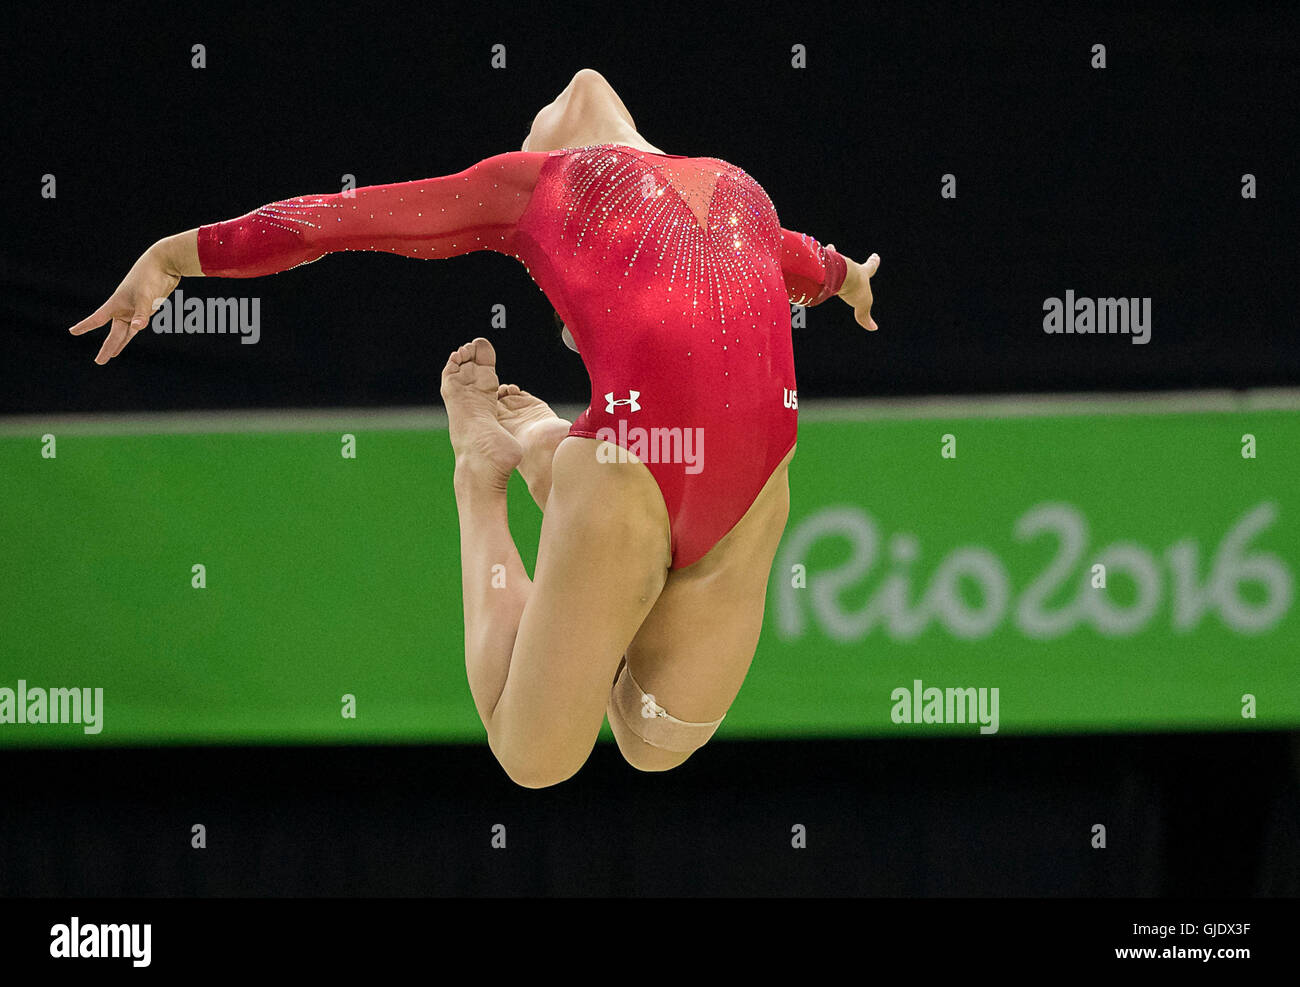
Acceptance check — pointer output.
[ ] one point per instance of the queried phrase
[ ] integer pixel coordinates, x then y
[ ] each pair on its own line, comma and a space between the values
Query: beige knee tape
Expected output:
651, 722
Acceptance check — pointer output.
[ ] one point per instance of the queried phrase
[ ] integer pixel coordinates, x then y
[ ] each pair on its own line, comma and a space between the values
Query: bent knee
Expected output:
650, 743
535, 768
530, 773
644, 757
536, 776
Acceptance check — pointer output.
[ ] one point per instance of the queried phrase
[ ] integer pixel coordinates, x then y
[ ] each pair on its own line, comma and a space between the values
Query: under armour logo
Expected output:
649, 708
631, 400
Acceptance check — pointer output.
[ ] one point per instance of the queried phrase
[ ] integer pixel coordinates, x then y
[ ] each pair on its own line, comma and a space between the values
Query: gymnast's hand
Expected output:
856, 290
151, 279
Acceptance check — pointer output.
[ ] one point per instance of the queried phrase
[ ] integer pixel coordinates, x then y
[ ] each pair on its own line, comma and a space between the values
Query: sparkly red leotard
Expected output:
672, 273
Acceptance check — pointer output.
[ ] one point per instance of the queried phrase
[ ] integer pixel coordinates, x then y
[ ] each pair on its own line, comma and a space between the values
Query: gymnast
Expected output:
673, 279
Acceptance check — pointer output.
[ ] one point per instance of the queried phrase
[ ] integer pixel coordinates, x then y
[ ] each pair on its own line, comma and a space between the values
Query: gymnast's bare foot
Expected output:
539, 431
486, 454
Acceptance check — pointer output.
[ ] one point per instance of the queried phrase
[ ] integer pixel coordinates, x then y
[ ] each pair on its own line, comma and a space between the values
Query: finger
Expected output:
131, 330
94, 321
113, 344
872, 265
138, 322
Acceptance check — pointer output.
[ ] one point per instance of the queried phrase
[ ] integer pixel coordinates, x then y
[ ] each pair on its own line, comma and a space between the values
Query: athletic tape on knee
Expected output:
652, 723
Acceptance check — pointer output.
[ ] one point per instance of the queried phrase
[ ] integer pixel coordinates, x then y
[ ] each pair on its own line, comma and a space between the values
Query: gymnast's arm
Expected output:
814, 273
475, 209
856, 290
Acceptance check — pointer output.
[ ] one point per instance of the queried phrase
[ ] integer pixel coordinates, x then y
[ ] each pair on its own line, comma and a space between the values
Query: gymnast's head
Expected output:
587, 111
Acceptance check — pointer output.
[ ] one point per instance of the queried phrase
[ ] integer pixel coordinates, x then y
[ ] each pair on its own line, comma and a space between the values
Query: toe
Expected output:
482, 352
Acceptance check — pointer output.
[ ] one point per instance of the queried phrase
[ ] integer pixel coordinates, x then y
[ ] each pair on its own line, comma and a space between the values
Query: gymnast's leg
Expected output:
540, 655
693, 650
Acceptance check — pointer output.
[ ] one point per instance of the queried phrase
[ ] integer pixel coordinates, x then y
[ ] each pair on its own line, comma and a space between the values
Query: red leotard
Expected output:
672, 273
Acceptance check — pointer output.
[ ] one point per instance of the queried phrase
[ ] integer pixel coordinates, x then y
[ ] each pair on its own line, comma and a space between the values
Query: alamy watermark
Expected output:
221, 316
52, 706
652, 445
1098, 316
934, 705
102, 941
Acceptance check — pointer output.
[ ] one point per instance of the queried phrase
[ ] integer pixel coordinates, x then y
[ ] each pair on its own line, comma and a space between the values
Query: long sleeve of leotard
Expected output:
475, 209
813, 273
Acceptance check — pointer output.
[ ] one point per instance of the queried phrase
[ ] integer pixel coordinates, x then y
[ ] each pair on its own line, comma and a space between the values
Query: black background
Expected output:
1120, 182
1187, 816
1116, 182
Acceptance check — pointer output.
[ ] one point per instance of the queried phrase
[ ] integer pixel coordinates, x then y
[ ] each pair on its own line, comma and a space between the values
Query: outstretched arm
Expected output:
475, 209
814, 273
856, 290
